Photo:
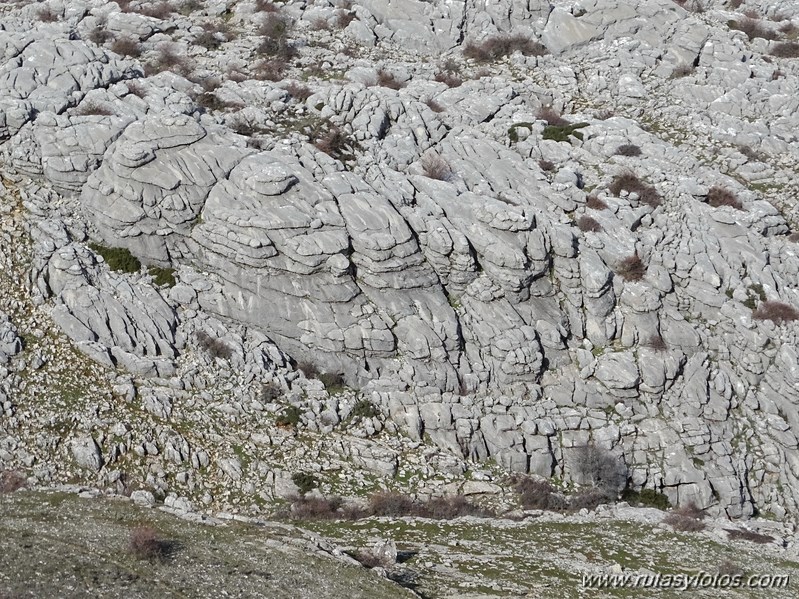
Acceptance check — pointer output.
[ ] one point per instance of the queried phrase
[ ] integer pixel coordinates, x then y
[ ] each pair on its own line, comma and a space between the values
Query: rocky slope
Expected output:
515, 228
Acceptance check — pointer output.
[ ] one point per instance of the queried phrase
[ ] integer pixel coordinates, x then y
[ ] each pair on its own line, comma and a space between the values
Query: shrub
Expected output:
552, 117
630, 183
364, 409
217, 348
631, 268
435, 167
162, 276
390, 503
168, 59
158, 10
270, 70
683, 523
588, 224
538, 495
646, 498
736, 4
210, 101
126, 46
119, 259
90, 108
546, 165
305, 482
777, 312
739, 534
387, 79
656, 342
753, 28
344, 18
451, 506
683, 70
370, 559
270, 391
334, 142
562, 133
786, 50
275, 30
99, 35
289, 417
145, 543
499, 46
208, 40
591, 499
298, 91
316, 508
46, 15
434, 106
595, 203
793, 237
599, 468
719, 196
136, 88
333, 382
266, 6
628, 150
448, 79
308, 369
11, 481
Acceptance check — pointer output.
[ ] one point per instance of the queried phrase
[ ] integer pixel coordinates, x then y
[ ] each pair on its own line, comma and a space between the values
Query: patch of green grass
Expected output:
513, 135
162, 276
563, 132
119, 259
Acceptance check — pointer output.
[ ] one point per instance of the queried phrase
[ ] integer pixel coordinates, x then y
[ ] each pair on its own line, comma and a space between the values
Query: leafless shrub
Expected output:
215, 347
448, 79
793, 237
628, 150
211, 101
789, 29
599, 468
630, 183
270, 391
588, 224
603, 114
551, 117
443, 508
126, 46
136, 88
687, 518
299, 91
266, 6
214, 34
434, 106
11, 481
753, 28
157, 10
656, 342
316, 508
719, 196
168, 59
777, 74
344, 18
309, 369
786, 50
46, 15
275, 30
591, 499
750, 153
538, 494
595, 203
370, 559
494, 48
546, 165
435, 167
91, 108
387, 79
739, 534
777, 312
270, 70
145, 543
392, 504
334, 142
99, 35
683, 70
631, 268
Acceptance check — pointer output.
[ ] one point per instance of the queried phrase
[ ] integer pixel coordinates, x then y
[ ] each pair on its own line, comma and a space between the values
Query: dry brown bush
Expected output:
157, 10
298, 91
538, 494
387, 79
126, 46
46, 15
168, 59
739, 534
11, 481
275, 30
434, 106
448, 79
786, 50
595, 203
656, 342
145, 543
496, 47
777, 312
630, 150
546, 165
719, 196
435, 167
91, 108
551, 116
270, 70
215, 347
630, 183
588, 224
631, 268
753, 28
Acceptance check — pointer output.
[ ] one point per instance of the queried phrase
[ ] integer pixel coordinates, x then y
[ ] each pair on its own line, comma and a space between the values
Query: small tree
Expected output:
599, 468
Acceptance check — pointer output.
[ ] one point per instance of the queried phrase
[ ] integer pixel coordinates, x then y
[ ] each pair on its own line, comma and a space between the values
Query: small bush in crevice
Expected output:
145, 544
91, 108
288, 417
646, 498
299, 91
538, 495
655, 342
364, 409
434, 106
777, 312
370, 559
162, 276
628, 150
387, 79
11, 481
46, 15
210, 101
599, 468
269, 70
333, 382
216, 348
551, 117
126, 46
630, 183
344, 18
435, 167
588, 224
118, 259
785, 50
99, 35
448, 79
309, 369
739, 534
753, 28
686, 518
316, 508
683, 70
305, 482
546, 165
168, 59
266, 6
499, 46
334, 142
631, 268
595, 203
719, 196
270, 391
275, 30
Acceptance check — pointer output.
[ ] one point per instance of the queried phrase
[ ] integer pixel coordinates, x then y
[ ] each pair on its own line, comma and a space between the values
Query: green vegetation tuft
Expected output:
162, 276
119, 259
563, 132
